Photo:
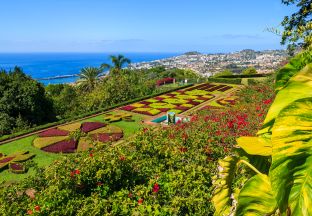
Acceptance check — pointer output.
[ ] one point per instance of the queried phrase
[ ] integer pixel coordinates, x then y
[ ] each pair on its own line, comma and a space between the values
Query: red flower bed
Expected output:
90, 126
5, 160
53, 132
16, 166
145, 102
164, 81
105, 137
225, 88
182, 108
170, 95
163, 109
66, 146
194, 103
158, 98
128, 108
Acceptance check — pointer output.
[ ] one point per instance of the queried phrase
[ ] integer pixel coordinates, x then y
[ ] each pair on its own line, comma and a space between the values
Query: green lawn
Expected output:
43, 158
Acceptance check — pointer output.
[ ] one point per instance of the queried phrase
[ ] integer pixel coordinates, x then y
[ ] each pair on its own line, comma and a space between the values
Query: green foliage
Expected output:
298, 26
223, 73
88, 78
22, 102
249, 71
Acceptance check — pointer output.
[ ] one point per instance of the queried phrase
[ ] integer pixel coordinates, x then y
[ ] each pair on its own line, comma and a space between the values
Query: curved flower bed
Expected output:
52, 141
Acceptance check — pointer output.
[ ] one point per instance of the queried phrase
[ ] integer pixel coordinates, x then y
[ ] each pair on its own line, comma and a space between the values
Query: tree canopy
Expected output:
298, 26
22, 101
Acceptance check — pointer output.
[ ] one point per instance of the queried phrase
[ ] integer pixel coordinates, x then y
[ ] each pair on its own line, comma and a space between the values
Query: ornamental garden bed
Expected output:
177, 101
11, 161
79, 137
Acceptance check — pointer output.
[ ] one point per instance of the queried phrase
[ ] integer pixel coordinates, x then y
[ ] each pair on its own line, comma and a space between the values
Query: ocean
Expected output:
55, 68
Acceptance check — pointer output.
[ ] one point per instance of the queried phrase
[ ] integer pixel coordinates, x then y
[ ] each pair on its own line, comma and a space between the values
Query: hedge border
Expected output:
80, 117
226, 80
246, 76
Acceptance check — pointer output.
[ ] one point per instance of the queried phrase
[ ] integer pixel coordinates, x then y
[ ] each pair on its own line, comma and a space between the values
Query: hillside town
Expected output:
209, 64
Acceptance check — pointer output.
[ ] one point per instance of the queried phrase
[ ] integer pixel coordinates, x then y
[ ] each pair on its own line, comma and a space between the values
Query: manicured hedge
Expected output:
246, 76
226, 80
78, 117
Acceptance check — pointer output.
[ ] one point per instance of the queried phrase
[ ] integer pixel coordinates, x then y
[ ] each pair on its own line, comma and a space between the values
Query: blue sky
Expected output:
139, 25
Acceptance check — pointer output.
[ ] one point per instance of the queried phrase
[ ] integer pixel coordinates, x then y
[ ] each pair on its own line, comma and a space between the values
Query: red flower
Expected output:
77, 171
268, 101
184, 136
183, 149
145, 130
72, 173
99, 184
130, 195
156, 188
140, 201
171, 136
91, 155
29, 212
37, 208
122, 158
260, 114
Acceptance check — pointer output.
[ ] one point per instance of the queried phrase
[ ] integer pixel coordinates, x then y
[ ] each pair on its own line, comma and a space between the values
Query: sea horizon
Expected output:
62, 67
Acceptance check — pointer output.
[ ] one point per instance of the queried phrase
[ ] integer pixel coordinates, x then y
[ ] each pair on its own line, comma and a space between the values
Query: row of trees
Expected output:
227, 72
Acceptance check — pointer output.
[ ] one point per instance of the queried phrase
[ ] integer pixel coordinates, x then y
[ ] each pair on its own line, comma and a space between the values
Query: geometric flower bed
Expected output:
228, 101
178, 101
11, 161
109, 117
77, 136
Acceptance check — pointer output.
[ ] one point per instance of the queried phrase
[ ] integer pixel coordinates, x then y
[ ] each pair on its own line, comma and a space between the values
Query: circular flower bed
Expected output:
70, 138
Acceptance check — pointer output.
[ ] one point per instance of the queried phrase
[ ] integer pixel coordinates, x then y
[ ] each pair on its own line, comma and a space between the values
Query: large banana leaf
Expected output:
255, 145
222, 186
291, 170
256, 197
298, 87
293, 67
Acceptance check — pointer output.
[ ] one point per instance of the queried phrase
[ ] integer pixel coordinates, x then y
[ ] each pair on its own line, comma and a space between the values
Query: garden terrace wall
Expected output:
6, 138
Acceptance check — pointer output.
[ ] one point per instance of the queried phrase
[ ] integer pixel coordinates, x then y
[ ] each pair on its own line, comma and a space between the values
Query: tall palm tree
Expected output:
117, 64
88, 78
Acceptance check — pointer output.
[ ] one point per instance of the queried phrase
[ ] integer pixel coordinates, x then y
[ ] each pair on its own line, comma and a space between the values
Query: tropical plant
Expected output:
279, 158
88, 78
118, 62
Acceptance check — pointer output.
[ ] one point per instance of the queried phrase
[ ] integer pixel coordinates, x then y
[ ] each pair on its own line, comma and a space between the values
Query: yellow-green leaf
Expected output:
255, 145
297, 87
222, 185
291, 170
256, 197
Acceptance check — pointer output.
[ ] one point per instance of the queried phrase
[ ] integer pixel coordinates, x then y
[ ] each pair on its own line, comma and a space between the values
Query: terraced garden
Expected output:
53, 143
180, 101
